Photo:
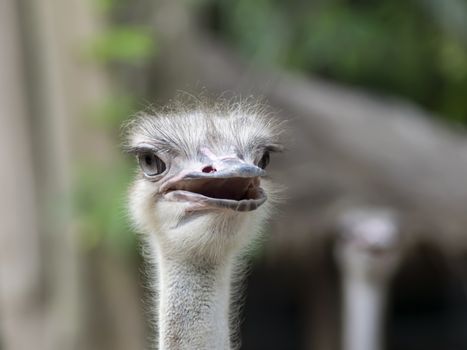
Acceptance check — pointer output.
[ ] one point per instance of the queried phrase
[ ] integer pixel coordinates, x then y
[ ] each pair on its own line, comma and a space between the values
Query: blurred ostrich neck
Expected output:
194, 295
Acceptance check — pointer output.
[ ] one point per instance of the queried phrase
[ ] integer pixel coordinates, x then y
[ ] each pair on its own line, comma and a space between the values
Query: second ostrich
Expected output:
201, 197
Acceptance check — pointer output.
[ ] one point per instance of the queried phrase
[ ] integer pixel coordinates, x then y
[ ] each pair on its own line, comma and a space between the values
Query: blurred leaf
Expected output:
123, 44
104, 5
453, 60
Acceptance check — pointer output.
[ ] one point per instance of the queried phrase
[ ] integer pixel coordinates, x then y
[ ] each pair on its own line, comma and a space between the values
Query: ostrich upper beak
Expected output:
227, 184
228, 168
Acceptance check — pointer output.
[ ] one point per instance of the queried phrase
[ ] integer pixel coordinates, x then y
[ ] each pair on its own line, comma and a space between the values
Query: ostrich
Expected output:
200, 196
368, 252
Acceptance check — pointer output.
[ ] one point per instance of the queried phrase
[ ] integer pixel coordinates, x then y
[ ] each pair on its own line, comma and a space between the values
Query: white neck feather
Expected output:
193, 305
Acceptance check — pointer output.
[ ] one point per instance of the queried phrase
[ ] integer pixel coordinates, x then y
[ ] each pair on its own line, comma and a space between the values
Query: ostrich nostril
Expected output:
209, 169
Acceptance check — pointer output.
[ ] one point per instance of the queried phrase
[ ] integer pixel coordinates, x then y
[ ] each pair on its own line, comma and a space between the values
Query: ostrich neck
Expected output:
193, 308
364, 303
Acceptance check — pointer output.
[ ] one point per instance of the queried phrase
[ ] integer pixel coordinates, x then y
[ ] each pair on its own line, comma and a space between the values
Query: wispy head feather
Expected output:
190, 122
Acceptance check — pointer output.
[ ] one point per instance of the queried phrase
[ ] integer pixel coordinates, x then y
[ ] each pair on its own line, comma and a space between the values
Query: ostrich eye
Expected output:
151, 164
264, 161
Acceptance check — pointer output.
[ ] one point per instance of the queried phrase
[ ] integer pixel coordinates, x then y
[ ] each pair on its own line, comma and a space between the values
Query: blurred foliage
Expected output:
408, 48
100, 201
127, 44
414, 48
111, 112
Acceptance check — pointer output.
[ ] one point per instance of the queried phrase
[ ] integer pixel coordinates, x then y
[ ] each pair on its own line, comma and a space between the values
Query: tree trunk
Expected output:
21, 313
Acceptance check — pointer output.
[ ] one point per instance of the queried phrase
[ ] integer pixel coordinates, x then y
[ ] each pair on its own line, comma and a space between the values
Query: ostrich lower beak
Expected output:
233, 185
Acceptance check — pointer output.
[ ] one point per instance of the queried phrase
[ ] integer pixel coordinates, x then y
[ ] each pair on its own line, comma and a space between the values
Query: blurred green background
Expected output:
87, 67
412, 49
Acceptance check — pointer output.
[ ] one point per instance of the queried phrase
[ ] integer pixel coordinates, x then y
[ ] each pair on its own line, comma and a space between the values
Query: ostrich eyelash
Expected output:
276, 148
135, 150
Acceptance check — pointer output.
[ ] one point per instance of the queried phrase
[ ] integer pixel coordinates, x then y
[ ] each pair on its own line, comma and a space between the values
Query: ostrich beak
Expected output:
227, 184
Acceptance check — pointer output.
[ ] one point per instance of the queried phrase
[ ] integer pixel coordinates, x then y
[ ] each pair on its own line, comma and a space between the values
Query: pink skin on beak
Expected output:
217, 163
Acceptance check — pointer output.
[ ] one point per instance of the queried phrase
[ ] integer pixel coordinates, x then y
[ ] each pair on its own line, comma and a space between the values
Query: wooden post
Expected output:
20, 263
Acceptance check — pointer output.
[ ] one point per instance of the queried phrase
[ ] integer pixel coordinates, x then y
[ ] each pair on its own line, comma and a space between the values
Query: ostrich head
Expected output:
201, 187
